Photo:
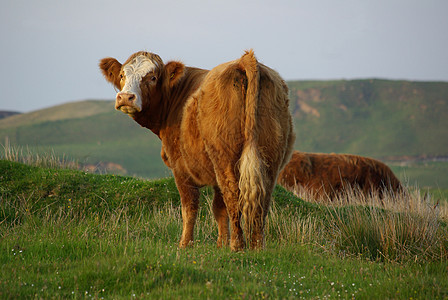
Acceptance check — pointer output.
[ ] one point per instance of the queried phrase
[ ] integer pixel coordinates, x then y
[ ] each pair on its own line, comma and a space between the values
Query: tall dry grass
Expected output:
46, 159
396, 227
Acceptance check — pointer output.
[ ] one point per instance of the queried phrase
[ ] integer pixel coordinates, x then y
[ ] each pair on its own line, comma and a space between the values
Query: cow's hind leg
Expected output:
257, 238
228, 185
189, 196
256, 209
222, 218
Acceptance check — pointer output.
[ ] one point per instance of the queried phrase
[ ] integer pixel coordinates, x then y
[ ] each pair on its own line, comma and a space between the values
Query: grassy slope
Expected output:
68, 234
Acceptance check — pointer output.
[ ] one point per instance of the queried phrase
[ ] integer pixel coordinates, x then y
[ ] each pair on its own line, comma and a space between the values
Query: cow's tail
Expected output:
251, 165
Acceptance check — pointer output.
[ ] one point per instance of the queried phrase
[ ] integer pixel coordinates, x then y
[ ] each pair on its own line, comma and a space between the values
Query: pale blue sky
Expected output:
50, 48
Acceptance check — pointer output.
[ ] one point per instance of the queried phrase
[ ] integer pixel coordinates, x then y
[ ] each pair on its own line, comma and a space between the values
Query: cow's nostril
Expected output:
125, 97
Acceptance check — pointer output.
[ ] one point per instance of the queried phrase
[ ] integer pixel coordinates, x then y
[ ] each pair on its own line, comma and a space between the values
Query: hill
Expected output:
379, 118
68, 111
6, 114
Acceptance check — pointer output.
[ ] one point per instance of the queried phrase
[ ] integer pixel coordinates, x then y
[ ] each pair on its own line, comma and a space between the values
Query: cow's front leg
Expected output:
189, 197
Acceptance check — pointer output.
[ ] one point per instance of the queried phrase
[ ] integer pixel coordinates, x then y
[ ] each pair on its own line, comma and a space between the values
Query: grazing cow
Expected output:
229, 128
327, 175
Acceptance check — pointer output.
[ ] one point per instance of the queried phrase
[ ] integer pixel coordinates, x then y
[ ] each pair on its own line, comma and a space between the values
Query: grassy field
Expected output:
70, 234
431, 175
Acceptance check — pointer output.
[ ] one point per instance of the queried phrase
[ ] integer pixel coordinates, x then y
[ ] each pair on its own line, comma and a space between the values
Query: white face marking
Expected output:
134, 71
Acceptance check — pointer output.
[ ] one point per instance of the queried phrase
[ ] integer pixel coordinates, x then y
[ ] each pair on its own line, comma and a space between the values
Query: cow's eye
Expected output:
121, 76
153, 78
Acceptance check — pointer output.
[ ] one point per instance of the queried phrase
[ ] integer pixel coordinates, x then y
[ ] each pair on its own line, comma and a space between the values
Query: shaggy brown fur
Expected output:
229, 128
327, 175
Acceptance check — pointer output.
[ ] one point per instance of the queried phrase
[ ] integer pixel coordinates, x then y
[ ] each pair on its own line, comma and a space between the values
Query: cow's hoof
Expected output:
186, 244
222, 242
237, 245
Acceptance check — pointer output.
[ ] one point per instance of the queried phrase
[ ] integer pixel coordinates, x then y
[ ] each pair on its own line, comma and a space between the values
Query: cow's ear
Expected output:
111, 70
174, 70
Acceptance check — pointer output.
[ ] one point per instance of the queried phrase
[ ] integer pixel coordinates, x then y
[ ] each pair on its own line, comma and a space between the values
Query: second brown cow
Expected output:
328, 175
229, 128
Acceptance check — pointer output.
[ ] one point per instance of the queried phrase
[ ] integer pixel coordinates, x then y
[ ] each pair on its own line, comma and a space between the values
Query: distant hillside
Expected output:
72, 110
91, 132
378, 118
5, 114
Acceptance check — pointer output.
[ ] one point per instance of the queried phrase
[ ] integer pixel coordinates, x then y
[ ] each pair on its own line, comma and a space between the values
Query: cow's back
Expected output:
326, 175
221, 114
379, 177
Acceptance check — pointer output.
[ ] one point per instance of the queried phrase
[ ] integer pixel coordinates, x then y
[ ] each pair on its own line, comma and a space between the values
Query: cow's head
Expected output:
142, 80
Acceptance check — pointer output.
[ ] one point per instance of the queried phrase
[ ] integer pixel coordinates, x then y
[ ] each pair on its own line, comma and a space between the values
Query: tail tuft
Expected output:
252, 186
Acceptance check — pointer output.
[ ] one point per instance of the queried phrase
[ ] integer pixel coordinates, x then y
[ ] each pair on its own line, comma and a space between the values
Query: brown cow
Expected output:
229, 128
327, 175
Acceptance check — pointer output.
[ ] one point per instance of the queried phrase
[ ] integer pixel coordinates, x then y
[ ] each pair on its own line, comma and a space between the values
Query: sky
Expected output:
50, 49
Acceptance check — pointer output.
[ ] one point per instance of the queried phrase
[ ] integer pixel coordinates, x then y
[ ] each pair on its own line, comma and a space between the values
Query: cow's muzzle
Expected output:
127, 103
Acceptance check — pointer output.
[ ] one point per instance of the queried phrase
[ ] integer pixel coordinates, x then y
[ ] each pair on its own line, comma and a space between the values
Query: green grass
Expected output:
70, 234
148, 269
430, 177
